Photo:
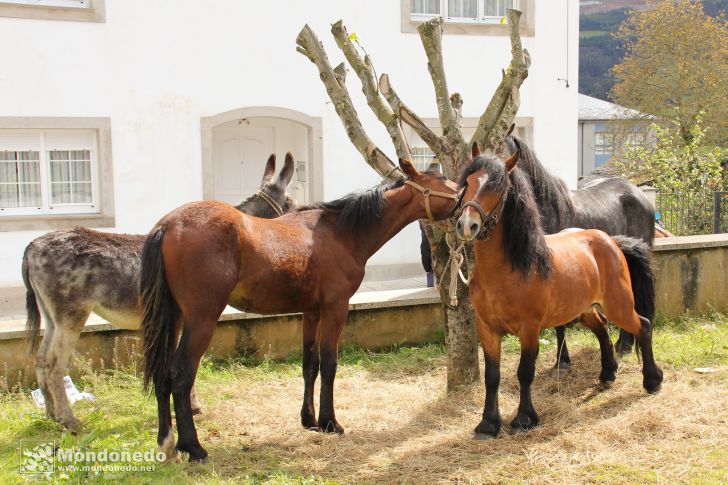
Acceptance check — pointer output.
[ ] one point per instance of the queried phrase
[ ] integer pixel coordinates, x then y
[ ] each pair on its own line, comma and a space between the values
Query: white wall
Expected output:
156, 67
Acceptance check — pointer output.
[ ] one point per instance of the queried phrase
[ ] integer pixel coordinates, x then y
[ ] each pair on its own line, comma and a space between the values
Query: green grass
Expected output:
124, 418
586, 34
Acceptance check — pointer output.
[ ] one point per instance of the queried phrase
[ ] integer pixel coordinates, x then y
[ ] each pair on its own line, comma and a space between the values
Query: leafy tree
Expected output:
676, 57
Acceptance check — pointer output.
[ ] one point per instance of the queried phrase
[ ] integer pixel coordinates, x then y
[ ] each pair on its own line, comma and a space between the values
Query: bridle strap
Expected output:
489, 220
272, 203
427, 193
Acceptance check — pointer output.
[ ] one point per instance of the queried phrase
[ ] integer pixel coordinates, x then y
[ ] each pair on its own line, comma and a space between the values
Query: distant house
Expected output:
605, 129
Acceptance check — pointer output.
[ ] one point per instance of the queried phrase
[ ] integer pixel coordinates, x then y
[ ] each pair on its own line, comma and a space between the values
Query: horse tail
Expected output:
161, 313
32, 325
639, 259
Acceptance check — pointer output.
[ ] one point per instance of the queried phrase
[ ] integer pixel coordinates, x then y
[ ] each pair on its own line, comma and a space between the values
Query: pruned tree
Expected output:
450, 147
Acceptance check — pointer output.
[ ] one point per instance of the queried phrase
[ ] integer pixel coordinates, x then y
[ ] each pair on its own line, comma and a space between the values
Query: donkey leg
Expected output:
194, 342
563, 360
65, 336
330, 326
651, 374
527, 418
598, 325
311, 363
42, 365
490, 425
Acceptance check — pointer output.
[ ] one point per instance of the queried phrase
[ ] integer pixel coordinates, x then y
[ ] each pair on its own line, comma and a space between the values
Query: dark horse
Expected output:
524, 281
205, 255
71, 273
610, 204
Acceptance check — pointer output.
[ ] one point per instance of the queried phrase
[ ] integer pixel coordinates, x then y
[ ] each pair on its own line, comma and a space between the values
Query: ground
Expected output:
401, 425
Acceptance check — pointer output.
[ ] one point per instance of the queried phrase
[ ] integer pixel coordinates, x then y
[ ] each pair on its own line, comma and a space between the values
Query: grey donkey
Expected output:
72, 272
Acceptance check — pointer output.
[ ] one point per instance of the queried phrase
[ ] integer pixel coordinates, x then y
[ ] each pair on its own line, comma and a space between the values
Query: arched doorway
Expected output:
237, 143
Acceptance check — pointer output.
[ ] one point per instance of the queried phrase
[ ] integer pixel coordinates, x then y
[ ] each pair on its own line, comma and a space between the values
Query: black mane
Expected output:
358, 210
551, 193
523, 237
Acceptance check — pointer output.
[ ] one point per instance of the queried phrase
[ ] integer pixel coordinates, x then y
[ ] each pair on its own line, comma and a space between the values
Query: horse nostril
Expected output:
459, 227
474, 228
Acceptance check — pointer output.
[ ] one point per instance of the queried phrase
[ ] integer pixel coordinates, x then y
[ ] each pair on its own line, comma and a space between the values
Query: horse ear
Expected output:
475, 150
270, 169
510, 130
407, 168
512, 161
284, 178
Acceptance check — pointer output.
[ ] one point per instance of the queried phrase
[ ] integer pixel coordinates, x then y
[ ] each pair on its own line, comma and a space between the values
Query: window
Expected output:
48, 172
603, 143
53, 3
462, 11
423, 157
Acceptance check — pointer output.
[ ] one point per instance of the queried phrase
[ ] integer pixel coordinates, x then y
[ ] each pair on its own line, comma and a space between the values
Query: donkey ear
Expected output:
512, 161
407, 168
284, 178
475, 150
270, 169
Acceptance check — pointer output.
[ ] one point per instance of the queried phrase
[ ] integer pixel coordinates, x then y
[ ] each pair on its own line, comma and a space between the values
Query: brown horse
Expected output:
206, 255
524, 281
71, 273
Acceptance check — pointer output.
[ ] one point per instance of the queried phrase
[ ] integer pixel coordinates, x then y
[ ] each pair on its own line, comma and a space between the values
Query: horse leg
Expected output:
598, 325
195, 340
526, 418
651, 374
165, 435
330, 326
310, 368
624, 343
65, 336
563, 360
490, 340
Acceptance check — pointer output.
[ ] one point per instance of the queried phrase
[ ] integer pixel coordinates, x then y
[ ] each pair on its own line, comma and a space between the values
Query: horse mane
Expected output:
523, 237
357, 210
551, 193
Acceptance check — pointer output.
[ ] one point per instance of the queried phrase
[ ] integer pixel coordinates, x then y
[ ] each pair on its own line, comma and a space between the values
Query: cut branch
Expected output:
334, 80
365, 70
432, 139
501, 111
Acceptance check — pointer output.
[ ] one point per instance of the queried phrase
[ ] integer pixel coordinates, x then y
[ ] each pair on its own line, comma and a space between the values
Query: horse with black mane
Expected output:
71, 273
524, 281
205, 255
608, 203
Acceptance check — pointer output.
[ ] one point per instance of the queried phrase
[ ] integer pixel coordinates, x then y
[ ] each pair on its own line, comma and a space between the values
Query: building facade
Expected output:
114, 112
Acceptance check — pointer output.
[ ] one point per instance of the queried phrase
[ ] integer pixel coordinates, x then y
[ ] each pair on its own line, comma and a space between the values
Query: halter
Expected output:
427, 193
272, 203
490, 220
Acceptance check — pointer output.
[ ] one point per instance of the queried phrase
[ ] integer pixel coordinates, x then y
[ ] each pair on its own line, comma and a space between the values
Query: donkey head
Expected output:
271, 200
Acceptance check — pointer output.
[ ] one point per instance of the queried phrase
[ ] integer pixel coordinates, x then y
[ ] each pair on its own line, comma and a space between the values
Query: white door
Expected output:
239, 156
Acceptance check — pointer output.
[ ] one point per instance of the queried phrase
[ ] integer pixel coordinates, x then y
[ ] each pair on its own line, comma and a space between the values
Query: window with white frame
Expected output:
53, 3
603, 143
48, 172
423, 157
462, 11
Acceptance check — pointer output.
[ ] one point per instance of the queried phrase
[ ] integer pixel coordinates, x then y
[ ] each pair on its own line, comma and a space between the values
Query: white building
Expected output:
114, 112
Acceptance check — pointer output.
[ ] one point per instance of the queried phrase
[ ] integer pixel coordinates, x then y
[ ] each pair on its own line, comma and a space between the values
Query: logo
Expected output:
37, 457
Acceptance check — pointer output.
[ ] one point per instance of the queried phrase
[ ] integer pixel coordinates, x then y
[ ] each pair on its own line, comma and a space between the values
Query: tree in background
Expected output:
450, 147
676, 57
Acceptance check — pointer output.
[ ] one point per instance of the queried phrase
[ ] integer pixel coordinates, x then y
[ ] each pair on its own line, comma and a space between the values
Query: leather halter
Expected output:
272, 203
489, 221
427, 193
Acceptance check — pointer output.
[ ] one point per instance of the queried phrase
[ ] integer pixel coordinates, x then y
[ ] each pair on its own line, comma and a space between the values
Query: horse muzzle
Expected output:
468, 225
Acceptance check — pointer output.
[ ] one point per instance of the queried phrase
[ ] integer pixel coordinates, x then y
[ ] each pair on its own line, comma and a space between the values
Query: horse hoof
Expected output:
653, 388
523, 423
605, 385
331, 426
309, 422
197, 453
486, 430
72, 424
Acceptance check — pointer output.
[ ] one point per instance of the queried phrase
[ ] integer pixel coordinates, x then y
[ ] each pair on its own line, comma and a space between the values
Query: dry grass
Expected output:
404, 428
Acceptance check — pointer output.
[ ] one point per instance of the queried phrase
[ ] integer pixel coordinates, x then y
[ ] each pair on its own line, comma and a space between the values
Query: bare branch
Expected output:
334, 81
431, 36
365, 70
504, 104
432, 139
